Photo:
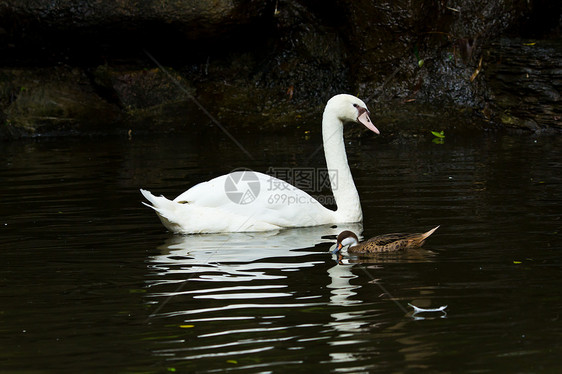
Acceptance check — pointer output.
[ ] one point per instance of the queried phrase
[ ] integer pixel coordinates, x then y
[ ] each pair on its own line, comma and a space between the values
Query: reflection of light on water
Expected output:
239, 257
243, 296
341, 289
220, 293
231, 307
222, 354
342, 357
236, 280
342, 292
243, 258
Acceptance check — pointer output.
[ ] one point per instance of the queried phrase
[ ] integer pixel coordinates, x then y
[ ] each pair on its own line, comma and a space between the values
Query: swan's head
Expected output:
345, 238
349, 108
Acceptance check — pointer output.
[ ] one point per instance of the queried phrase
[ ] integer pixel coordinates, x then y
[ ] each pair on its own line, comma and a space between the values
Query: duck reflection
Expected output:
408, 256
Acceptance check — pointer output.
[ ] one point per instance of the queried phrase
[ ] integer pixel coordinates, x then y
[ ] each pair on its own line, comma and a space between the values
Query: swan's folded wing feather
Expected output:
258, 195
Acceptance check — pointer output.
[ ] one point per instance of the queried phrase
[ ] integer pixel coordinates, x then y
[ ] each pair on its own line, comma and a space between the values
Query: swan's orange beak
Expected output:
366, 121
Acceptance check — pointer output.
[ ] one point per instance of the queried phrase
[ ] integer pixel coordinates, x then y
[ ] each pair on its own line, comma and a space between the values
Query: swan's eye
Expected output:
355, 106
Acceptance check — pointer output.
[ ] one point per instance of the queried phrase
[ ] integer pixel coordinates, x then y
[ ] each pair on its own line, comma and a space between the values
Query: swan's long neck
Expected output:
341, 180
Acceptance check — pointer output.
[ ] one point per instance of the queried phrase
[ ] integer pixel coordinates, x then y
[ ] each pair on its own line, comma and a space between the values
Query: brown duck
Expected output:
381, 243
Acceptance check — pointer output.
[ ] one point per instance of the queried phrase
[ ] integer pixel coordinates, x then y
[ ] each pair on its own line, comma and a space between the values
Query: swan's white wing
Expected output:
257, 197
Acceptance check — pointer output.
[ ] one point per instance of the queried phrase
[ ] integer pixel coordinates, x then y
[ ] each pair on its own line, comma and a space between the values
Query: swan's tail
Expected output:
164, 208
427, 234
159, 203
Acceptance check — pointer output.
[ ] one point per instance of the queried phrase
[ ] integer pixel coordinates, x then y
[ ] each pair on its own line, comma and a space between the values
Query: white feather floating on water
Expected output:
430, 310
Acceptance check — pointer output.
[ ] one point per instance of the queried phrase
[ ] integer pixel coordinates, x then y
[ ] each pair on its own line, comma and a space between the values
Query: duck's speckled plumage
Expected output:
382, 243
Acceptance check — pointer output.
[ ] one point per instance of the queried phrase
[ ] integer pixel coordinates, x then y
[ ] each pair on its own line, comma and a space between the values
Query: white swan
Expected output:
252, 201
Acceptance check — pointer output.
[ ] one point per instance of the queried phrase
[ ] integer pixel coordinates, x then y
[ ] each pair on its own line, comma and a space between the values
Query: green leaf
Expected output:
438, 134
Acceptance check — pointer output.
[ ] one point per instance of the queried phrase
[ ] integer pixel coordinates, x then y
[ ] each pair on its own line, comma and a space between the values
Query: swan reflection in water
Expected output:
254, 261
242, 256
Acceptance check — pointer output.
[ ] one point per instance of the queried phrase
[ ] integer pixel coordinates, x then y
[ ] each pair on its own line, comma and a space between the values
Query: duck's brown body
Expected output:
382, 243
389, 243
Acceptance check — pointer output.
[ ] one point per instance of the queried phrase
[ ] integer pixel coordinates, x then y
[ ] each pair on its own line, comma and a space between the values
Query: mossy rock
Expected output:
51, 100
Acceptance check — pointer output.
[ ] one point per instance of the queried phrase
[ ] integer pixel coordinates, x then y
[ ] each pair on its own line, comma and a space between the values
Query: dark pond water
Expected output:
91, 282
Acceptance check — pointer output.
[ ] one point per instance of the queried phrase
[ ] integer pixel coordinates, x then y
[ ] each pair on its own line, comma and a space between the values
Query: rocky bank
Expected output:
106, 66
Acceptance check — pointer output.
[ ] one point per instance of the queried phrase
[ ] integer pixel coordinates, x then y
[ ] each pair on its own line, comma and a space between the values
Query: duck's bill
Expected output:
366, 121
338, 248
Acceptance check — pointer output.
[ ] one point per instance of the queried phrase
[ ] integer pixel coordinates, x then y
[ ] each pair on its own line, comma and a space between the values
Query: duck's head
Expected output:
349, 108
345, 238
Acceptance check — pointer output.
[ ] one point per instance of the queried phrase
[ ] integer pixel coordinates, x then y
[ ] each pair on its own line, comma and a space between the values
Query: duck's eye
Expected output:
355, 105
